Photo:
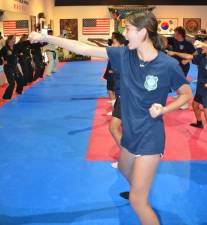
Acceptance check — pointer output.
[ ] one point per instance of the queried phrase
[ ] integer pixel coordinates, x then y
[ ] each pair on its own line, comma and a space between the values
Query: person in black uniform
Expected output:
199, 58
115, 122
108, 75
179, 44
9, 55
200, 97
39, 65
110, 81
25, 60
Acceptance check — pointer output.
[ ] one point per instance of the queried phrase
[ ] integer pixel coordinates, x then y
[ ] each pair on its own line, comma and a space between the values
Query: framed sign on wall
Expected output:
192, 25
69, 28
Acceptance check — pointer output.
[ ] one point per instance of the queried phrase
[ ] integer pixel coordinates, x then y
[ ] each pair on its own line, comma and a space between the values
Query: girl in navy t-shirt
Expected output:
115, 122
146, 76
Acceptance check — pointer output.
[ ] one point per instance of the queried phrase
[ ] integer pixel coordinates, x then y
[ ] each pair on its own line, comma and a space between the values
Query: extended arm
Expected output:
200, 44
181, 55
71, 45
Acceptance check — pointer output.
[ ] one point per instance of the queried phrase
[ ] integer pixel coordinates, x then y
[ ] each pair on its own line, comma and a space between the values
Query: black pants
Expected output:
39, 67
27, 70
12, 76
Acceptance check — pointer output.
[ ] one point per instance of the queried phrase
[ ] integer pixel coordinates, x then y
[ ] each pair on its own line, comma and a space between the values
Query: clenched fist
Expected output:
199, 44
171, 53
37, 37
156, 110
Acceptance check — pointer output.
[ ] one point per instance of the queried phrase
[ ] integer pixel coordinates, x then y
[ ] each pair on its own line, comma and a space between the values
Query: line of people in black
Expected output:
22, 62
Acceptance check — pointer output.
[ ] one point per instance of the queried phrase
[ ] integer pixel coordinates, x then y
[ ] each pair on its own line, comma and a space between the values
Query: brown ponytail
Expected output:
157, 42
148, 21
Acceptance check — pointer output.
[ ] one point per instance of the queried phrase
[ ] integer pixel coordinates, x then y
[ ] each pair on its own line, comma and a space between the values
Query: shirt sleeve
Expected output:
106, 74
190, 48
115, 55
170, 40
177, 77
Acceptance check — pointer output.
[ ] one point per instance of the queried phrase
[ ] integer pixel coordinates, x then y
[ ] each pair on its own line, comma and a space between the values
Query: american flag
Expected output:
96, 26
16, 27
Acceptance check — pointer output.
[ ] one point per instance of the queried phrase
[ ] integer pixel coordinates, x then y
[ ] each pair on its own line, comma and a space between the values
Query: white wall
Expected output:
49, 10
181, 12
80, 12
33, 9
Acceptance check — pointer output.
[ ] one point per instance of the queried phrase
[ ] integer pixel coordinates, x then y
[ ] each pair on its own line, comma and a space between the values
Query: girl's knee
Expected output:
125, 170
138, 200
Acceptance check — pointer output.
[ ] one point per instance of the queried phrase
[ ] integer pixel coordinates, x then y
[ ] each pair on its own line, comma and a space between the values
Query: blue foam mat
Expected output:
45, 179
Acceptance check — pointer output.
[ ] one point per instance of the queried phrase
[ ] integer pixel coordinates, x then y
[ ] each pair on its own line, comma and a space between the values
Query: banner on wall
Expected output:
128, 2
69, 28
118, 13
100, 26
16, 27
192, 25
167, 25
20, 5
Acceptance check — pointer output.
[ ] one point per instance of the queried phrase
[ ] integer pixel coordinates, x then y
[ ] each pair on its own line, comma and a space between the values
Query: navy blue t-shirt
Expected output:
116, 77
183, 47
107, 75
140, 87
201, 61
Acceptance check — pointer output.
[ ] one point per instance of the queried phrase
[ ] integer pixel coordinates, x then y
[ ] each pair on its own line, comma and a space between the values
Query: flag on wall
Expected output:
17, 27
167, 25
96, 26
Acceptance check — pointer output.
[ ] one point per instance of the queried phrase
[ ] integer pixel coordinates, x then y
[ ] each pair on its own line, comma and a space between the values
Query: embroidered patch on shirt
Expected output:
151, 82
181, 47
